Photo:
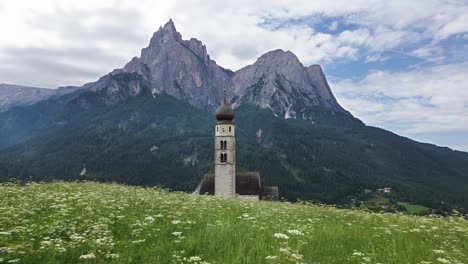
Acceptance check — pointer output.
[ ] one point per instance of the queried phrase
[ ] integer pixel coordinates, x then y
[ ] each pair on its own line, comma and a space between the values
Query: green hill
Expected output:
167, 142
110, 223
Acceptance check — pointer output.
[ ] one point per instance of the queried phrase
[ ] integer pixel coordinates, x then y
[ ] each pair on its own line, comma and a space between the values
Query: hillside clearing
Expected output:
97, 223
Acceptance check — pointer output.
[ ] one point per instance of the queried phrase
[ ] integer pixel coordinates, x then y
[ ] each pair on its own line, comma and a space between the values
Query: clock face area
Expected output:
224, 130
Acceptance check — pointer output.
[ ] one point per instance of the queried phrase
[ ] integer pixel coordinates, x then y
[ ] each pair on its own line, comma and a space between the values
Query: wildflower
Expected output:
195, 259
271, 257
13, 261
357, 253
88, 256
5, 233
280, 235
112, 255
439, 251
46, 243
177, 233
443, 260
175, 222
295, 232
138, 241
149, 219
296, 256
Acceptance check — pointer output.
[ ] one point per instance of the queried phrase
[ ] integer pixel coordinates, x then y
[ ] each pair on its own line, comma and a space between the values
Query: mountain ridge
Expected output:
184, 69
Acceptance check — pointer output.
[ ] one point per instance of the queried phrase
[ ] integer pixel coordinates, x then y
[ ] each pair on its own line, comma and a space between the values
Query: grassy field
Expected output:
110, 223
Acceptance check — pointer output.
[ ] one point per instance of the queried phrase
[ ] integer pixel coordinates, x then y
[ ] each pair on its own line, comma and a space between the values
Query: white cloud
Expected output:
377, 58
419, 101
236, 32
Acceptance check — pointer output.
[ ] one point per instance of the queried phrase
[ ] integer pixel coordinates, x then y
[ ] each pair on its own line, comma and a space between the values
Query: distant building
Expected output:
225, 181
385, 190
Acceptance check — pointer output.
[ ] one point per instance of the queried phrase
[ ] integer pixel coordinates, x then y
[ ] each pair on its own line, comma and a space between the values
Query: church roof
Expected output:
247, 183
224, 112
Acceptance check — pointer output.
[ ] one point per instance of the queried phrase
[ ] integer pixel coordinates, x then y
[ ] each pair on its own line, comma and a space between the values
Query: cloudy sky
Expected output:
399, 65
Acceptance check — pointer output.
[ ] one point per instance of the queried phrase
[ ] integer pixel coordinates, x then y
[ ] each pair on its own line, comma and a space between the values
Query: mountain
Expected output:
150, 123
17, 95
279, 81
183, 69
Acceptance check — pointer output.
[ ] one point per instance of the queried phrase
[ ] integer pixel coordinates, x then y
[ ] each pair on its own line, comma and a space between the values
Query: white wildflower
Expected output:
295, 232
280, 235
443, 260
296, 256
177, 233
13, 261
175, 222
112, 256
88, 256
46, 243
271, 257
138, 241
195, 259
439, 251
149, 219
5, 233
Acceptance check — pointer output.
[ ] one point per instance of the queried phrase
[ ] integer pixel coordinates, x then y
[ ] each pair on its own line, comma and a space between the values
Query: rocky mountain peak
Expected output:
166, 33
278, 57
183, 69
279, 81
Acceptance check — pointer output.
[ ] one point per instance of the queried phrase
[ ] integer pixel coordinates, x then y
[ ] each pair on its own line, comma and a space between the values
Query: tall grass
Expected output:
99, 223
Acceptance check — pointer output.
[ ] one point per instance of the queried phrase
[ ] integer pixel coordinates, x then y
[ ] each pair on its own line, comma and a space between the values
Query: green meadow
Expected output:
91, 222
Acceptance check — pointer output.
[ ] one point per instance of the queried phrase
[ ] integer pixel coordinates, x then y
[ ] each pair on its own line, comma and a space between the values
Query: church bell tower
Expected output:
225, 151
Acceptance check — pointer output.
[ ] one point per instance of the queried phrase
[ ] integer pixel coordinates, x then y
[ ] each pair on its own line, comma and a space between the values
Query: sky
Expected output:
397, 65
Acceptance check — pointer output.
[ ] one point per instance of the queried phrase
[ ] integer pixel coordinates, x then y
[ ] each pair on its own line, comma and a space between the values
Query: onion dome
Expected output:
224, 113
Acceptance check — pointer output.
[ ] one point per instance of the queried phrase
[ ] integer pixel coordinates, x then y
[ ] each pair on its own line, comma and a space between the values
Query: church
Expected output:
225, 181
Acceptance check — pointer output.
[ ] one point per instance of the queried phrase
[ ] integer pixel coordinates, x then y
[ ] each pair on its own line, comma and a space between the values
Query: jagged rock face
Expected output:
279, 81
118, 86
181, 68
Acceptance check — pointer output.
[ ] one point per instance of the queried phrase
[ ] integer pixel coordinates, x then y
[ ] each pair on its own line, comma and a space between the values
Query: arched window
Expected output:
222, 144
229, 128
223, 157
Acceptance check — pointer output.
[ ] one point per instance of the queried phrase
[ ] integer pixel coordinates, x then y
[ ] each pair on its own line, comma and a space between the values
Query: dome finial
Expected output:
224, 113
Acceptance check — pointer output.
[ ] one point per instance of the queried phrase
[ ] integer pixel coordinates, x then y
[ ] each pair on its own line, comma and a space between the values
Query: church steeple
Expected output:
225, 151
